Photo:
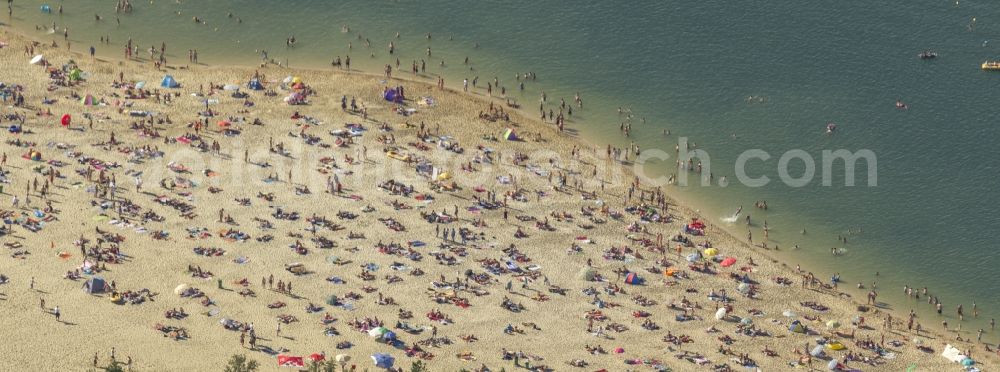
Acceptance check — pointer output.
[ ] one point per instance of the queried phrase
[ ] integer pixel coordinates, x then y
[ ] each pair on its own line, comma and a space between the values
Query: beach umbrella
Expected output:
720, 314
728, 261
510, 135
140, 85
389, 336
377, 332
231, 87
692, 257
746, 321
789, 313
88, 100
180, 289
968, 362
287, 79
832, 324
743, 287
316, 357
619, 350
587, 274
342, 358
66, 120
832, 365
332, 300
711, 252
383, 360
817, 351
37, 59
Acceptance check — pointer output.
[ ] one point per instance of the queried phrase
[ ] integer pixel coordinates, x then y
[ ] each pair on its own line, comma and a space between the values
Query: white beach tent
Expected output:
953, 354
720, 314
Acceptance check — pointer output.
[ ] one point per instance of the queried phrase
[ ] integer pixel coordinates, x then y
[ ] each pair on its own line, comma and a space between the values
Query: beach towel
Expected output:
290, 361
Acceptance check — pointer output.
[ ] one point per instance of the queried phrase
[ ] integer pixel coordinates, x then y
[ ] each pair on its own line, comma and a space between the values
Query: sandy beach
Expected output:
478, 237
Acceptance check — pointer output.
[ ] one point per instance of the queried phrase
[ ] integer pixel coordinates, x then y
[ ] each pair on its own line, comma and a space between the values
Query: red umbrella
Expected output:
728, 261
66, 119
316, 357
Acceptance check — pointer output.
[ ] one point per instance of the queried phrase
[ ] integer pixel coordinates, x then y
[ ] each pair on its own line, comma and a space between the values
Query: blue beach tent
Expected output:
169, 82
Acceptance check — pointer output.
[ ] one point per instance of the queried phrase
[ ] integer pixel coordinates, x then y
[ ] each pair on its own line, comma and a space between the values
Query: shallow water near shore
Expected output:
689, 67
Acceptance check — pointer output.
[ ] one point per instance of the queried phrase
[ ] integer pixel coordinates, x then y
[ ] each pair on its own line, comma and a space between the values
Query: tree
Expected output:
240, 363
418, 366
322, 366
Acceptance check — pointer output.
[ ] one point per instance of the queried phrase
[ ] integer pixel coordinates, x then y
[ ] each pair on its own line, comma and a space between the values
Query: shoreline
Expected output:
481, 100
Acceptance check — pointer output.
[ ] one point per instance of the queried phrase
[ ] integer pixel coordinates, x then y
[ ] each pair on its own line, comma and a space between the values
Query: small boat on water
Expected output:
991, 66
927, 54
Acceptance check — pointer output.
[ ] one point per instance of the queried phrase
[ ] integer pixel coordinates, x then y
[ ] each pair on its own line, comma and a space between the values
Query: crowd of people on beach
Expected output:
633, 265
